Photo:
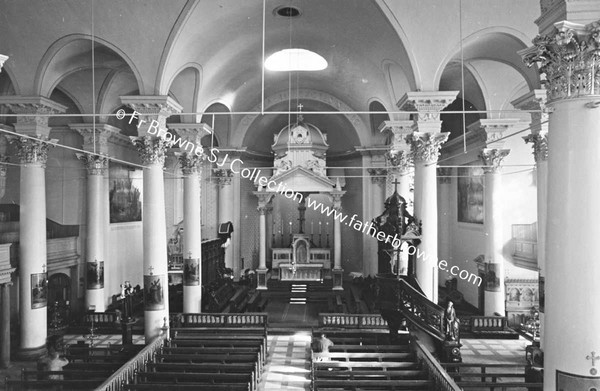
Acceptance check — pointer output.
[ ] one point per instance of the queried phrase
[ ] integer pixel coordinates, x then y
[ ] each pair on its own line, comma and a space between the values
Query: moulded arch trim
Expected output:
503, 30
515, 93
60, 43
363, 132
73, 99
181, 21
380, 101
480, 82
215, 102
227, 133
416, 82
198, 68
105, 88
11, 75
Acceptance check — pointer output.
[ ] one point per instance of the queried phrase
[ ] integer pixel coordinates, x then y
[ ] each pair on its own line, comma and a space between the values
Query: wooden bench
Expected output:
88, 374
500, 385
374, 356
194, 387
195, 378
79, 384
370, 374
207, 358
216, 350
319, 384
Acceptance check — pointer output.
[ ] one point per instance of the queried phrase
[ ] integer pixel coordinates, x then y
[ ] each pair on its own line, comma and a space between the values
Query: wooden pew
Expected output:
177, 377
188, 387
79, 384
319, 384
374, 356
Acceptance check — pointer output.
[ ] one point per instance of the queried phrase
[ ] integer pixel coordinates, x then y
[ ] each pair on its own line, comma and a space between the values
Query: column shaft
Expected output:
426, 211
155, 251
192, 249
5, 327
572, 287
494, 299
94, 295
542, 210
262, 260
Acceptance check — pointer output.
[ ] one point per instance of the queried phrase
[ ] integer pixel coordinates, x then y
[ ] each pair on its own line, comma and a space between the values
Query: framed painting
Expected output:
95, 275
191, 272
470, 194
492, 282
154, 295
39, 290
125, 194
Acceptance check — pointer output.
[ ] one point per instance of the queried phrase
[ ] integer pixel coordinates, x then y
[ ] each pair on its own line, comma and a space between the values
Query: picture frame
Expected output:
470, 194
154, 295
39, 290
125, 194
95, 274
191, 272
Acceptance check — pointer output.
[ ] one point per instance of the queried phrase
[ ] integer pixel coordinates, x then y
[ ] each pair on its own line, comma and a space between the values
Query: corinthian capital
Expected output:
33, 113
152, 108
540, 145
428, 104
378, 175
190, 162
425, 147
400, 161
151, 150
567, 59
33, 151
95, 138
492, 158
223, 177
95, 165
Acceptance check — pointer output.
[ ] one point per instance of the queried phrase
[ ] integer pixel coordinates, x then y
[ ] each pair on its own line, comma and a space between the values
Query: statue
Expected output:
452, 323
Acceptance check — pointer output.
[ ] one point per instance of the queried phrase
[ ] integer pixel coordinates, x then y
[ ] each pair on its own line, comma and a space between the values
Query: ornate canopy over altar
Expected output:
300, 166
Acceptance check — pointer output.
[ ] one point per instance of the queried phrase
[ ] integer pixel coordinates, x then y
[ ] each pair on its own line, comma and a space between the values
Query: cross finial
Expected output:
396, 183
593, 357
300, 106
151, 269
300, 116
189, 255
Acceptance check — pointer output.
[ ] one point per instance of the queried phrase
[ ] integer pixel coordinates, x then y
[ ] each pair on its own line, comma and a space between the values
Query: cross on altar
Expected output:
593, 357
300, 106
396, 183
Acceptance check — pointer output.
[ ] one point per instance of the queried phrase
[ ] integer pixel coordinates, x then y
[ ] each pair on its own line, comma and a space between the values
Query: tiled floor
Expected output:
500, 351
288, 363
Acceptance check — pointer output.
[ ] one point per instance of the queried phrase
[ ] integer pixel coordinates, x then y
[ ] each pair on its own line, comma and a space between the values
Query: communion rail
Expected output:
353, 321
125, 374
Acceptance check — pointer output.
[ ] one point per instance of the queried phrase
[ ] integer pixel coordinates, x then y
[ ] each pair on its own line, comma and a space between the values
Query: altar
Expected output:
302, 261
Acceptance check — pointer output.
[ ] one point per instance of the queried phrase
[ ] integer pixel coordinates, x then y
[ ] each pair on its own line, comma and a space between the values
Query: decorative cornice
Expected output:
425, 147
535, 101
492, 159
540, 145
222, 177
190, 162
378, 175
192, 133
444, 175
151, 149
492, 130
95, 165
33, 151
34, 113
157, 108
428, 104
101, 133
567, 59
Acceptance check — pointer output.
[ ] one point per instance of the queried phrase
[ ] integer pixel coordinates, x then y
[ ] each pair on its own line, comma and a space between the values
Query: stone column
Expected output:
536, 100
264, 200
95, 141
191, 159
495, 296
378, 185
567, 57
425, 143
32, 153
223, 178
445, 216
5, 325
152, 144
337, 272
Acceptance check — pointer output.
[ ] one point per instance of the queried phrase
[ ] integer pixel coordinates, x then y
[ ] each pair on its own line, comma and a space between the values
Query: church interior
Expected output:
299, 195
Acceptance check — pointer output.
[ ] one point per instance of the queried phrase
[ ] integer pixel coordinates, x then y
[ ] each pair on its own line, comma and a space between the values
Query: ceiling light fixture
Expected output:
295, 60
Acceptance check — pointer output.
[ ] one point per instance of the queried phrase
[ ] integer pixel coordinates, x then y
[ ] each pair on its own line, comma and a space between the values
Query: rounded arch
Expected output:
358, 125
415, 82
220, 124
41, 83
490, 43
377, 114
8, 72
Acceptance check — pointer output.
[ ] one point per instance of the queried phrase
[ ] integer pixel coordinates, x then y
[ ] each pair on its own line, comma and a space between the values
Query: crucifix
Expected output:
396, 183
300, 117
151, 269
593, 357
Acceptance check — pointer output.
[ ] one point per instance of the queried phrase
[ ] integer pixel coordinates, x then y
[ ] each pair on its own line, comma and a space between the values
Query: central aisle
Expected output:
288, 363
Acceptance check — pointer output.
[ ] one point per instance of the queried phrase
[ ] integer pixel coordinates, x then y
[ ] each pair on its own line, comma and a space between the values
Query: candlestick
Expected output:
290, 227
311, 227
319, 228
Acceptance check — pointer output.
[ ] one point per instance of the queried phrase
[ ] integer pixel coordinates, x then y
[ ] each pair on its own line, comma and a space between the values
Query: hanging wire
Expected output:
262, 90
462, 75
93, 81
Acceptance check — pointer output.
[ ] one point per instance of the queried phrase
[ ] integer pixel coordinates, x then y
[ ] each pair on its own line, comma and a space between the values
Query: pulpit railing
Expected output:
398, 295
437, 374
126, 373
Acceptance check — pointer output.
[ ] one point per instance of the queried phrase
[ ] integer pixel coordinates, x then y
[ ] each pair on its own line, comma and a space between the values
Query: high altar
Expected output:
299, 165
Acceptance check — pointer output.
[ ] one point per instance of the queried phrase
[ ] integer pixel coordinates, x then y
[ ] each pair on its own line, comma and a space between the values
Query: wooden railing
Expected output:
437, 374
225, 320
399, 295
359, 321
126, 373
